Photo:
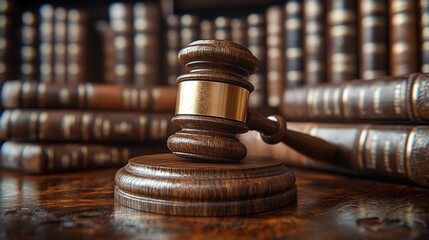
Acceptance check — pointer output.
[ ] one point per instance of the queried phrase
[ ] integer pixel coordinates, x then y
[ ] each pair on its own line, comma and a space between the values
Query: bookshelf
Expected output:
303, 47
315, 59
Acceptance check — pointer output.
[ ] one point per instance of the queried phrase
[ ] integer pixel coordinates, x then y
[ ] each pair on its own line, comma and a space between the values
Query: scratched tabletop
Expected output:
81, 206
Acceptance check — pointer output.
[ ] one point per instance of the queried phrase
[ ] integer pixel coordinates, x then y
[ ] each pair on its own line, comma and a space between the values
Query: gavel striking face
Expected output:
211, 107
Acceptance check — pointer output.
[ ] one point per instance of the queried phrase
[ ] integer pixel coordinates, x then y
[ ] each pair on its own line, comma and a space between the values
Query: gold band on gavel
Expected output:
212, 99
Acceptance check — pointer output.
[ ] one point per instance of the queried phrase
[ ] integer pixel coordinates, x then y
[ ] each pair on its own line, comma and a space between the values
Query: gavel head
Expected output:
212, 100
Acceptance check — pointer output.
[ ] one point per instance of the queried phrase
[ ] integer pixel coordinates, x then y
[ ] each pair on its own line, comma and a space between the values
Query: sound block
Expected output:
167, 184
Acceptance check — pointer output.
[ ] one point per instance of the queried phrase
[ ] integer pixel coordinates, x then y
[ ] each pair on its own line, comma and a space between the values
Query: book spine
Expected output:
373, 39
341, 40
172, 49
424, 29
189, 32
394, 99
121, 15
39, 158
239, 31
147, 49
403, 37
207, 29
78, 40
60, 45
275, 54
314, 42
256, 40
29, 50
376, 150
84, 126
108, 55
9, 49
222, 27
31, 94
46, 47
294, 51
189, 26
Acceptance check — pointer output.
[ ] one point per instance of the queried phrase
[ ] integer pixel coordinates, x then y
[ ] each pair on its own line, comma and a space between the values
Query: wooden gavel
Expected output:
211, 107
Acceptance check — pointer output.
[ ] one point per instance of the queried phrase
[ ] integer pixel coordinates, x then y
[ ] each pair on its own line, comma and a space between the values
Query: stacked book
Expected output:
8, 47
59, 45
54, 127
136, 29
302, 43
379, 127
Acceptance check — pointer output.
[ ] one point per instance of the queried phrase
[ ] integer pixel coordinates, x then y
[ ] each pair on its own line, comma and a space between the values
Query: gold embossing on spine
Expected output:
417, 161
41, 94
361, 148
43, 125
345, 99
420, 97
232, 106
85, 157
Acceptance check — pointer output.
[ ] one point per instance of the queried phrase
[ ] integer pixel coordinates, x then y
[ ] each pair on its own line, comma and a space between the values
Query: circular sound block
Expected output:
167, 184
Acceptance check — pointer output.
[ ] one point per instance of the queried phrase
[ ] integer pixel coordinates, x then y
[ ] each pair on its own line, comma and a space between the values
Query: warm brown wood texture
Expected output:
81, 206
167, 184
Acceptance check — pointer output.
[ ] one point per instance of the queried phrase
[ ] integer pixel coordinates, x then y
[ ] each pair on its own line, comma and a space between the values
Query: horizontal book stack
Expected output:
56, 127
379, 127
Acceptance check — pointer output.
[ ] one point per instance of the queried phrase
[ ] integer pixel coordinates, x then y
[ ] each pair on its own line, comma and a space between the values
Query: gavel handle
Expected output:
274, 130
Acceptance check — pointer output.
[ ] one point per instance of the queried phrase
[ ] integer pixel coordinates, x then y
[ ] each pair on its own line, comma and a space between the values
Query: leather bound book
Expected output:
275, 54
189, 29
79, 43
147, 49
91, 96
189, 32
60, 45
342, 56
294, 72
403, 37
121, 21
46, 44
381, 151
314, 42
403, 99
222, 29
256, 42
172, 48
84, 126
207, 29
9, 46
108, 55
42, 158
373, 39
29, 47
424, 30
239, 31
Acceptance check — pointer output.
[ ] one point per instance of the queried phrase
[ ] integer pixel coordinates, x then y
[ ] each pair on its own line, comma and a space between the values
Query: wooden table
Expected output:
81, 206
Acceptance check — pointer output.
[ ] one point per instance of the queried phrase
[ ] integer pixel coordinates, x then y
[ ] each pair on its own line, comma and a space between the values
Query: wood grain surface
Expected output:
168, 184
81, 206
